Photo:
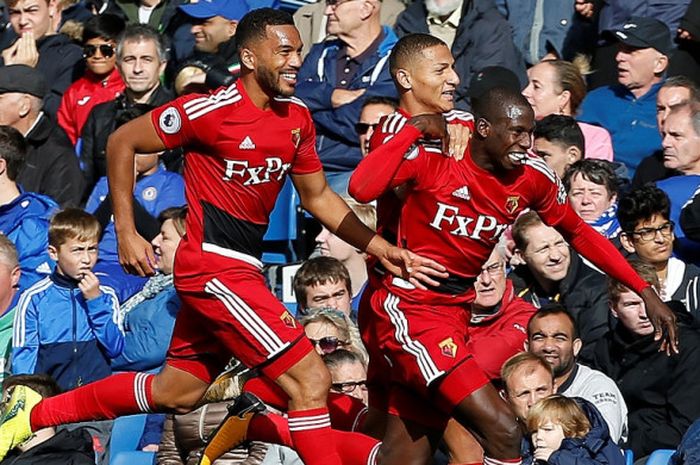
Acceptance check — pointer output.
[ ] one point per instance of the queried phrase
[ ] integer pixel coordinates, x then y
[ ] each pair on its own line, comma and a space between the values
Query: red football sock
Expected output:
270, 427
114, 396
313, 437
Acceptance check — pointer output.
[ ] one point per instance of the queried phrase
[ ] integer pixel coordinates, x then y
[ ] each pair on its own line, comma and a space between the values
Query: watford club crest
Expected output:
448, 348
296, 137
288, 320
512, 203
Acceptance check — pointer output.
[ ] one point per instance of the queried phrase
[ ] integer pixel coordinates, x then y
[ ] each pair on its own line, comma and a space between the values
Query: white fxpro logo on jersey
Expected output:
462, 193
247, 144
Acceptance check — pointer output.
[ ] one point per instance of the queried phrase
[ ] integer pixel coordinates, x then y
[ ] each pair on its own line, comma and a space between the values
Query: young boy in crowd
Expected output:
66, 324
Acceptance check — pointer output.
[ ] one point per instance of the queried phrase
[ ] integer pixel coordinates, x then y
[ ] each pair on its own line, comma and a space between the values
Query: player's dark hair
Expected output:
641, 204
380, 100
408, 47
599, 172
105, 26
13, 149
318, 271
561, 130
554, 309
43, 384
493, 103
524, 222
253, 26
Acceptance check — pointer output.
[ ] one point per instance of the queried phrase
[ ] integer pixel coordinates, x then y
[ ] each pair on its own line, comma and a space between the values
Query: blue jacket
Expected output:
631, 121
148, 328
336, 139
595, 448
161, 190
25, 221
614, 13
681, 189
58, 332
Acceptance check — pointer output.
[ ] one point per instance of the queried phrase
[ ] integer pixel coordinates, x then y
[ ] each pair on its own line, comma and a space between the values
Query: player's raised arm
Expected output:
332, 211
137, 136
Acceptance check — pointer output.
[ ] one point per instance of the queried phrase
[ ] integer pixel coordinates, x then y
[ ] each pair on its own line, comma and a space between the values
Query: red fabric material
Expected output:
108, 398
313, 437
270, 428
268, 392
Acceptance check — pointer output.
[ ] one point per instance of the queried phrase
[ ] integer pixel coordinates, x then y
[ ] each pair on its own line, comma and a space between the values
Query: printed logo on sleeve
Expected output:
170, 121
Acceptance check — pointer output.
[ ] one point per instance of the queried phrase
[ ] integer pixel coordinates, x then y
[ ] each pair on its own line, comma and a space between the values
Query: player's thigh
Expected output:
306, 382
407, 443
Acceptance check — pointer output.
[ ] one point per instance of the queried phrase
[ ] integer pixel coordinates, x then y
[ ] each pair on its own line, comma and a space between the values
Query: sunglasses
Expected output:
106, 50
328, 344
362, 128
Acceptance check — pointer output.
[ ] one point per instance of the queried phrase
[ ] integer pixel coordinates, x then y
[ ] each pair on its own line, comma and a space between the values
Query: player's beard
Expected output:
270, 81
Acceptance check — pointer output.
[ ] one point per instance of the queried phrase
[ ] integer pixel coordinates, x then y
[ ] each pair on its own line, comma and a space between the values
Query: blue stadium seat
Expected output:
660, 457
629, 456
135, 457
278, 242
126, 433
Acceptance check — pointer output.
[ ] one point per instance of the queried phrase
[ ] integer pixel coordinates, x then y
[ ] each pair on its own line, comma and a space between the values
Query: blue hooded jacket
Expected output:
25, 221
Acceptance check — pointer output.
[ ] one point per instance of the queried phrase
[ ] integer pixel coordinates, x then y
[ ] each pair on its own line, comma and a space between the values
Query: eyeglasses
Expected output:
335, 3
328, 344
494, 269
649, 234
106, 50
362, 128
349, 387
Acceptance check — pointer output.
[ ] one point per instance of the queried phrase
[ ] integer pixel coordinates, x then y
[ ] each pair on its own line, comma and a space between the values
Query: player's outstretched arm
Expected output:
332, 211
663, 319
137, 136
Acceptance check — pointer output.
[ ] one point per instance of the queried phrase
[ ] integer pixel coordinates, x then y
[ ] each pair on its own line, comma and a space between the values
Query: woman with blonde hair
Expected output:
559, 87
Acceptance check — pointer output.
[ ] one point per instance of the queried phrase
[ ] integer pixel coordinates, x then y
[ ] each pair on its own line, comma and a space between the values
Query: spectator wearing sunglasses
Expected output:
372, 110
330, 330
647, 231
101, 82
348, 373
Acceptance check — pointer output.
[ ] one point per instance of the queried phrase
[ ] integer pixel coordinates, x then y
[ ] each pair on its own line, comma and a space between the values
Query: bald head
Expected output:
409, 49
499, 103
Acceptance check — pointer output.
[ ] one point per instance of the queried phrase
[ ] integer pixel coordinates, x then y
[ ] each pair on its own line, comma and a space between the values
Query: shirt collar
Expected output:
452, 20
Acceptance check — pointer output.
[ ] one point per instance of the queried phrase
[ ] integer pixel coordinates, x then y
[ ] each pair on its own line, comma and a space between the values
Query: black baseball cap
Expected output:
642, 32
492, 77
22, 79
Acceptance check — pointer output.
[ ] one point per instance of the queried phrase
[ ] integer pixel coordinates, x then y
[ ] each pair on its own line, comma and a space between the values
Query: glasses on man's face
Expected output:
362, 128
328, 344
494, 269
649, 234
106, 50
349, 387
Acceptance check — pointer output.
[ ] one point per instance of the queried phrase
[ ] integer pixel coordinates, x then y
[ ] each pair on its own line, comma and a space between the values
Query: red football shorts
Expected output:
420, 368
234, 315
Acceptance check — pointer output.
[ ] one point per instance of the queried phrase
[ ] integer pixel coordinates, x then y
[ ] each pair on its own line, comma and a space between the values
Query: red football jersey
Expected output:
237, 159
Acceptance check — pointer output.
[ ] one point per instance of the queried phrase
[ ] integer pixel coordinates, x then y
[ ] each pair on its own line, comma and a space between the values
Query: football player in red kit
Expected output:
454, 212
242, 141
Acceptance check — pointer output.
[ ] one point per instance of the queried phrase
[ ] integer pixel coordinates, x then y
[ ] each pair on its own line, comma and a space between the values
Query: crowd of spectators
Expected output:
614, 89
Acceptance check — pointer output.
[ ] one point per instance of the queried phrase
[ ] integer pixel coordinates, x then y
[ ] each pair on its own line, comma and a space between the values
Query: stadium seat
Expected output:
135, 457
660, 457
629, 456
278, 242
126, 433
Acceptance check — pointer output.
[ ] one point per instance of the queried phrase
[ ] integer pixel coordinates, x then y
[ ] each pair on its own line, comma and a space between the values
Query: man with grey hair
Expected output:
476, 32
9, 282
51, 166
141, 59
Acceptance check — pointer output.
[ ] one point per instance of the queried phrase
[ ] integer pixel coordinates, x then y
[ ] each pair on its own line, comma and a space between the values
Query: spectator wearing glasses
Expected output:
348, 373
330, 330
101, 82
372, 110
647, 231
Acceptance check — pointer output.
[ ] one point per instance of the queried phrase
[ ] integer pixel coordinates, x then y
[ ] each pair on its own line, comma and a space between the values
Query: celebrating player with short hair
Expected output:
454, 212
242, 141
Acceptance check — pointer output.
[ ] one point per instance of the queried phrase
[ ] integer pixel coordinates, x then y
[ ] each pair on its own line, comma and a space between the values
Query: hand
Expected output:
341, 97
136, 254
190, 77
433, 126
151, 448
543, 453
22, 52
685, 35
584, 8
411, 267
460, 135
664, 321
89, 286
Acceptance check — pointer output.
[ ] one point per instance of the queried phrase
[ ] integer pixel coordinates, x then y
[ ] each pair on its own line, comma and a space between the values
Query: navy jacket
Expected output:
595, 448
483, 39
336, 138
58, 332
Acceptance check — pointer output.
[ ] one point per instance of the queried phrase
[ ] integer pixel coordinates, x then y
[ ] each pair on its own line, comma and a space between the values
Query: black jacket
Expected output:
66, 448
51, 165
222, 67
660, 391
99, 126
583, 292
483, 39
60, 62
